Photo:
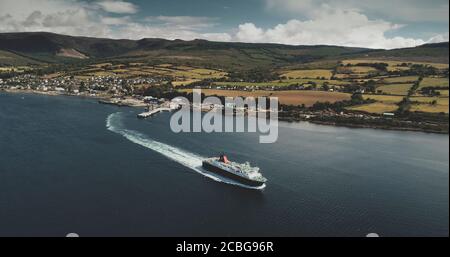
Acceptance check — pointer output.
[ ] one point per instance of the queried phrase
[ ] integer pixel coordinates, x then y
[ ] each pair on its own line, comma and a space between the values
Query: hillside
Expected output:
10, 58
44, 47
47, 46
428, 53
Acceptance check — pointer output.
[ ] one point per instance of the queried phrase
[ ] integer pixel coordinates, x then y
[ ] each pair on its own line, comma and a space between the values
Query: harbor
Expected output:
152, 112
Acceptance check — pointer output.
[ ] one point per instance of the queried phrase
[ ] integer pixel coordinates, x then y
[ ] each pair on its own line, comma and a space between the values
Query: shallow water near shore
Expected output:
64, 169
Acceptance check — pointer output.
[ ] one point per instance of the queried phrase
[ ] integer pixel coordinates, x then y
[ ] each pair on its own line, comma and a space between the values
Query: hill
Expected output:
427, 53
42, 47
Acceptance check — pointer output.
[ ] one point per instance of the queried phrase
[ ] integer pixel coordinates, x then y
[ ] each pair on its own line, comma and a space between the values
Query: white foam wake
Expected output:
185, 158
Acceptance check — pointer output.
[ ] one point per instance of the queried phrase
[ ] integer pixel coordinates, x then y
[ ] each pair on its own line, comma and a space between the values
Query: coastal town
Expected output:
221, 127
364, 98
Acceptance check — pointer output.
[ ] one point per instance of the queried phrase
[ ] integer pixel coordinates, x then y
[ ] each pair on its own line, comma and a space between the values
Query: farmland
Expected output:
395, 89
180, 75
434, 82
384, 98
307, 74
430, 104
394, 64
253, 84
317, 81
292, 97
405, 79
384, 103
377, 108
297, 75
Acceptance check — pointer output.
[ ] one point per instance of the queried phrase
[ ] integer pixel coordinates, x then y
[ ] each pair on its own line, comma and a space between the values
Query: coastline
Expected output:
350, 125
128, 102
105, 99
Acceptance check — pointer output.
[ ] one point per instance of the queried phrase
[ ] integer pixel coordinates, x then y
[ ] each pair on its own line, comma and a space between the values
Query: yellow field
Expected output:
101, 65
440, 100
397, 68
318, 81
434, 82
179, 73
387, 99
120, 71
443, 92
294, 97
198, 74
166, 65
377, 107
252, 84
425, 105
356, 61
350, 76
15, 68
362, 69
401, 79
429, 108
307, 74
184, 83
394, 63
395, 89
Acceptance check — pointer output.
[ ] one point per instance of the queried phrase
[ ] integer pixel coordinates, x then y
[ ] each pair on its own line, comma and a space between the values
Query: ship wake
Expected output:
183, 157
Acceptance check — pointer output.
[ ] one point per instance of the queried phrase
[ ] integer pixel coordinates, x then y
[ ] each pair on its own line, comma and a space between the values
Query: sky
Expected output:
383, 24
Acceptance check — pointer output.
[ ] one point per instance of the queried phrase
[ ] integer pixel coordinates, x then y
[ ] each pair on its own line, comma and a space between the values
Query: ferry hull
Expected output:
222, 173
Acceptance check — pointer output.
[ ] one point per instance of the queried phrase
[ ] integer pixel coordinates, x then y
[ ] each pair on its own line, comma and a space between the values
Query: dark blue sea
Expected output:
69, 164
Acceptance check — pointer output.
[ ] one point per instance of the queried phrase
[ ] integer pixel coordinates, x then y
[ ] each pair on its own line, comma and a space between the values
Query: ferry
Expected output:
241, 173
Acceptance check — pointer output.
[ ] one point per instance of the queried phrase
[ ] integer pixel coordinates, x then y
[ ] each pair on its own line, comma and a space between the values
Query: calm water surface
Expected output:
71, 165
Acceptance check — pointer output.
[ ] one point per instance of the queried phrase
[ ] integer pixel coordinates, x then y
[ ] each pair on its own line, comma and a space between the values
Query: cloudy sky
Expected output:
362, 23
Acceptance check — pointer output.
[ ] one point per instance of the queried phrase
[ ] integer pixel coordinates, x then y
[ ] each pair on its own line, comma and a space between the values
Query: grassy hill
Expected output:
53, 48
437, 53
46, 47
13, 59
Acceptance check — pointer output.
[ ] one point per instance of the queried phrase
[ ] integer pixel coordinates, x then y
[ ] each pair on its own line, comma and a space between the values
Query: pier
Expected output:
152, 112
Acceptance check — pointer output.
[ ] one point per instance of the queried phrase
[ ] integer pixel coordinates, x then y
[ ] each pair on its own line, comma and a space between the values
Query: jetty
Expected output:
152, 112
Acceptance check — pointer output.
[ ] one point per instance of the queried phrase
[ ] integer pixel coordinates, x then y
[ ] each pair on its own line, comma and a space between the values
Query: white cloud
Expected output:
115, 20
438, 38
325, 25
188, 22
399, 10
118, 6
88, 19
330, 26
139, 31
64, 17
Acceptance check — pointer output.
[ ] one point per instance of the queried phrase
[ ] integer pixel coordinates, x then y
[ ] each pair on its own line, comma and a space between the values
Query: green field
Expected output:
251, 84
377, 108
406, 79
11, 59
181, 75
434, 82
395, 89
